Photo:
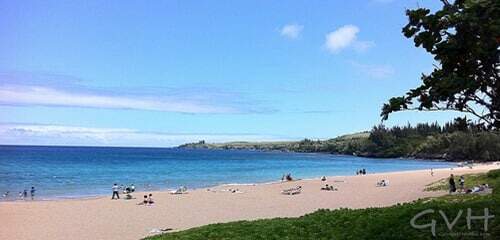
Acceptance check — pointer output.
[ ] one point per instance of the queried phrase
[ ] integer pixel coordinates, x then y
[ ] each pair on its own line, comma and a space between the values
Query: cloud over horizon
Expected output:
40, 134
52, 90
43, 96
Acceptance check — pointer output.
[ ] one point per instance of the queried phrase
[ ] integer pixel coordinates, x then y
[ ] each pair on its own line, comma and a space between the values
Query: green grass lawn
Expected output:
371, 223
471, 180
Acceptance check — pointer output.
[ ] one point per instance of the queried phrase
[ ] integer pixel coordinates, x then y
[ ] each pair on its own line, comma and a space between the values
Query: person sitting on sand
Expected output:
289, 177
128, 196
382, 183
144, 201
329, 188
150, 199
323, 178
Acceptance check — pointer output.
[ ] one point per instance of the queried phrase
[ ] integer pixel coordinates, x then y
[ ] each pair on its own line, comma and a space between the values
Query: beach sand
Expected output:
103, 218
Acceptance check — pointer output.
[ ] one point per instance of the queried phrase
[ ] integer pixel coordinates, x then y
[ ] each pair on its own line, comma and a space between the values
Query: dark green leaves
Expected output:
464, 38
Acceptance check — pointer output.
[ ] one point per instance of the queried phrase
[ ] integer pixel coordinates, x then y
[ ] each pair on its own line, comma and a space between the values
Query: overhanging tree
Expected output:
464, 38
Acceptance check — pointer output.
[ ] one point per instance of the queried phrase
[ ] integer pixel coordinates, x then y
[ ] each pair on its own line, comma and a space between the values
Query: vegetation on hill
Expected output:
371, 223
457, 141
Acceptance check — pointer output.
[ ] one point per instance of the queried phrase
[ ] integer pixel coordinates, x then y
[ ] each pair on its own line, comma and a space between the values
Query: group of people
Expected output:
148, 200
361, 172
452, 185
382, 183
22, 195
329, 188
461, 184
126, 190
287, 177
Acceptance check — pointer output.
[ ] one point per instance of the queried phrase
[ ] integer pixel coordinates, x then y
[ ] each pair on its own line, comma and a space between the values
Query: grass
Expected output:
371, 223
471, 180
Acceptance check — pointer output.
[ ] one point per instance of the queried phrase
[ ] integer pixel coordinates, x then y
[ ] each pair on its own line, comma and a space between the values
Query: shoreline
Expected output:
103, 196
102, 218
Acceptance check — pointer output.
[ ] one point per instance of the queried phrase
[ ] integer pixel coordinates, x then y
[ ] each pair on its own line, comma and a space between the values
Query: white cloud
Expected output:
344, 37
55, 90
291, 31
46, 96
374, 71
37, 134
341, 38
362, 46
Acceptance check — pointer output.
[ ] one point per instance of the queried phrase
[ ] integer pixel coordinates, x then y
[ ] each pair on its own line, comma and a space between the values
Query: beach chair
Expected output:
180, 190
292, 191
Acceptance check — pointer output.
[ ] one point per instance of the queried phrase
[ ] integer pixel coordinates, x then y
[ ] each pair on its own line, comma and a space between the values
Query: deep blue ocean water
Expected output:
66, 172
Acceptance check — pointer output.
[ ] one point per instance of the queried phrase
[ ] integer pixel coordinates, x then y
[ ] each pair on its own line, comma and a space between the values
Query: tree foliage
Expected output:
464, 39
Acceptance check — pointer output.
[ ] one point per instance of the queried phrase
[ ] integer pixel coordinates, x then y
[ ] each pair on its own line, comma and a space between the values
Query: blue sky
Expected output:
159, 73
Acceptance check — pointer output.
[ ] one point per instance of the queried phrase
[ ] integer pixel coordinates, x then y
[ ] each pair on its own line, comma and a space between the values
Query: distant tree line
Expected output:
458, 140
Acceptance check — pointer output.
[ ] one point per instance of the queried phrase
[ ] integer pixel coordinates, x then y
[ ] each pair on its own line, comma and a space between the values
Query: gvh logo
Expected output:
469, 218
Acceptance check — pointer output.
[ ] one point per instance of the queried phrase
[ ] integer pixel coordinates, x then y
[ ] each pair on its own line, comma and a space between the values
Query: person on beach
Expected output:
451, 181
25, 194
323, 178
132, 188
364, 171
6, 194
116, 190
150, 199
144, 201
432, 172
32, 193
461, 183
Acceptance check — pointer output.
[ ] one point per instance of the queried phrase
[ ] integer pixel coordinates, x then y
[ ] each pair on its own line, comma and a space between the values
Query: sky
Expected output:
162, 73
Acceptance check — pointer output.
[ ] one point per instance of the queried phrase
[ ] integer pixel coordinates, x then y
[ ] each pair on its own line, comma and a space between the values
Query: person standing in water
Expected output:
32, 193
116, 190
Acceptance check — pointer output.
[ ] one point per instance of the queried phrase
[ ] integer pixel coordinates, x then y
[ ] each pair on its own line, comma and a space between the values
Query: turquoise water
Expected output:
67, 172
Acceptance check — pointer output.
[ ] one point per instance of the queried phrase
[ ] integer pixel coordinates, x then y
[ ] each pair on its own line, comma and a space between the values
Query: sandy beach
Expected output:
103, 218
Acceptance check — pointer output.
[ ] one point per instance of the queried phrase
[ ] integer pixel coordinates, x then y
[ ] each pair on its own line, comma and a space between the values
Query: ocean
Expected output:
80, 172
